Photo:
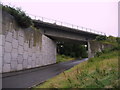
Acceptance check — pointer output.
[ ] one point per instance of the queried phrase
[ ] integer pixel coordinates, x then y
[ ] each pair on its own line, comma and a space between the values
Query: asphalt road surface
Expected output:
31, 77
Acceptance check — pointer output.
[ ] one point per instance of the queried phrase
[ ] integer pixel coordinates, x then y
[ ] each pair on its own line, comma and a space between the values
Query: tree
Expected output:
73, 50
111, 39
101, 38
118, 40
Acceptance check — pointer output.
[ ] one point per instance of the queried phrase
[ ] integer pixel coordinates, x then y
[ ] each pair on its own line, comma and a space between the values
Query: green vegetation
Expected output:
115, 48
98, 72
101, 38
63, 58
34, 35
108, 40
72, 50
118, 40
21, 18
31, 33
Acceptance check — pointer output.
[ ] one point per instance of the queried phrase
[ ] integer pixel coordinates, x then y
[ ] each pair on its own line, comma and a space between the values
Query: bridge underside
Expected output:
67, 40
66, 34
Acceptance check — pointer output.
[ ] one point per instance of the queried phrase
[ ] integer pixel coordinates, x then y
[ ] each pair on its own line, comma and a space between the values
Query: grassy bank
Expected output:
63, 58
98, 72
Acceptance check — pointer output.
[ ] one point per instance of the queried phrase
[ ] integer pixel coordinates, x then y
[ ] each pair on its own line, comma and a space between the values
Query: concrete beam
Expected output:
55, 31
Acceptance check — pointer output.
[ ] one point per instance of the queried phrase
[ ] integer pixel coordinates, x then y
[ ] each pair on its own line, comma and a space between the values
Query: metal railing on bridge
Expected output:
52, 21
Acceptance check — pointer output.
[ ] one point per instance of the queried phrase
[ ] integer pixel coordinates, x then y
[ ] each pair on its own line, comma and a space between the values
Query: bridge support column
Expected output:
94, 47
90, 55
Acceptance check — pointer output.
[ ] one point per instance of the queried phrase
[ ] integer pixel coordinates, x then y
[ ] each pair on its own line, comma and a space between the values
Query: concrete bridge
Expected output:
17, 55
64, 33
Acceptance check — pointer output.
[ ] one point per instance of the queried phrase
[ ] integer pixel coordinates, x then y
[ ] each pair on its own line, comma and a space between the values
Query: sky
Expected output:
99, 15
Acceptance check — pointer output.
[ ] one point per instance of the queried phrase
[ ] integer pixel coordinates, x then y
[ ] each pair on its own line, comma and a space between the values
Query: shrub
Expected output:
115, 48
98, 54
72, 50
21, 18
118, 40
24, 21
101, 38
111, 39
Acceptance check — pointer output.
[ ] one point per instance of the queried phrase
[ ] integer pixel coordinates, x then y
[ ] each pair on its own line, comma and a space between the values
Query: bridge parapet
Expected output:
64, 24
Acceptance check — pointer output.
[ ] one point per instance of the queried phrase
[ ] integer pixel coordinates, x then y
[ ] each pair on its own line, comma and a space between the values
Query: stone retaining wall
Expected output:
16, 53
94, 47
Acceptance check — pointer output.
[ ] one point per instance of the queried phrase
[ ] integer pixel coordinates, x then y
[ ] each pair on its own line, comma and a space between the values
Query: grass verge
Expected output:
63, 58
98, 72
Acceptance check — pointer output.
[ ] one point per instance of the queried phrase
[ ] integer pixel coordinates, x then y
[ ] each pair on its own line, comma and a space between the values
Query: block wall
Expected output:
15, 51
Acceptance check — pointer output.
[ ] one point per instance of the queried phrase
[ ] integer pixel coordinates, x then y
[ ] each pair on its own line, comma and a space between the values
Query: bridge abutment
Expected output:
17, 54
94, 47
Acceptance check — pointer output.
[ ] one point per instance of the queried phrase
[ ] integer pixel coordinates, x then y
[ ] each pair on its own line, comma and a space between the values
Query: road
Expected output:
31, 77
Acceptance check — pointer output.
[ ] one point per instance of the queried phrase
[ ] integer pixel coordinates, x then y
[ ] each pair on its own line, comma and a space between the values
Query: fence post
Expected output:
72, 25
42, 18
77, 27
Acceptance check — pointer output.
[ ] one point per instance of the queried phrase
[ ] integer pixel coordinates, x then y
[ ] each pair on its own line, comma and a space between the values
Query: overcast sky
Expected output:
100, 15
